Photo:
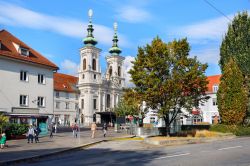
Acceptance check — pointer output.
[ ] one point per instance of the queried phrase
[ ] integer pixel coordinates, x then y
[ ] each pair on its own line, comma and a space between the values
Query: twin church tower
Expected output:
99, 94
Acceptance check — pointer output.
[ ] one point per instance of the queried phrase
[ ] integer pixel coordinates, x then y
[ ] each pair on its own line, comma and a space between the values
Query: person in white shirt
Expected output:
30, 134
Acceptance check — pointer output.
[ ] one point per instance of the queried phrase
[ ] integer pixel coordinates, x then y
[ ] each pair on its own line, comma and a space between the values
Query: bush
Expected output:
16, 129
242, 131
237, 130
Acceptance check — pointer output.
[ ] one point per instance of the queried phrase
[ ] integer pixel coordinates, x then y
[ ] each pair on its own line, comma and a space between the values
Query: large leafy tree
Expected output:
232, 95
236, 45
167, 79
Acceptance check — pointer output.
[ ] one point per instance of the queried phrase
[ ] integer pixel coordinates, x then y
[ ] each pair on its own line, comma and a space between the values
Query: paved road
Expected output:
235, 152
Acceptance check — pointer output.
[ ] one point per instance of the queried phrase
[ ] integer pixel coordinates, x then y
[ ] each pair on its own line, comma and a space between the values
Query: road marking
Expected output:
232, 147
177, 155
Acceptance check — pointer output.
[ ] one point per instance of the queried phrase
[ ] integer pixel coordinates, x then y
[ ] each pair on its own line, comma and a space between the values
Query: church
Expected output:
99, 92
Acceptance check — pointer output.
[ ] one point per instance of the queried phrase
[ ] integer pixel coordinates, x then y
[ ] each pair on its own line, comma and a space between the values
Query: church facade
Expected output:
99, 92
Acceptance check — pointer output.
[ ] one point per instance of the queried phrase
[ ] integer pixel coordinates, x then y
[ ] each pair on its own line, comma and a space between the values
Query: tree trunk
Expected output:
167, 124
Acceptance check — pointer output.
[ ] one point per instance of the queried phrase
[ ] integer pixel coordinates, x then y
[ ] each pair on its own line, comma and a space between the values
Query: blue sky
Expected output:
56, 28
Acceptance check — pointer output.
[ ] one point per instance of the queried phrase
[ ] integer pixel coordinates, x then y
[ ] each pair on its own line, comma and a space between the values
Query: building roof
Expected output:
8, 50
213, 80
66, 83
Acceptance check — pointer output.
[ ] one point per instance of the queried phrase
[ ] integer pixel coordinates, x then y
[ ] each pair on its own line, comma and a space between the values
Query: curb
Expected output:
185, 141
36, 157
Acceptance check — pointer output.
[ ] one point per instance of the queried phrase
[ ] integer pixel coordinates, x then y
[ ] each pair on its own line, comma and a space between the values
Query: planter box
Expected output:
18, 137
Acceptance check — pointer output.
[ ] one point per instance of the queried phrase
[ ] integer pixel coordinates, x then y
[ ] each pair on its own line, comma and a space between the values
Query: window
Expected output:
77, 96
57, 104
108, 100
83, 76
24, 51
76, 106
41, 79
67, 105
57, 94
119, 71
94, 64
23, 76
94, 102
84, 64
23, 100
67, 95
215, 88
94, 76
40, 101
110, 71
215, 101
82, 103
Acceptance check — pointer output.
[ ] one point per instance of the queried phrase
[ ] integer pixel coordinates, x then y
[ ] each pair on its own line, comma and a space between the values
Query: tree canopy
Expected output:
236, 43
232, 96
167, 79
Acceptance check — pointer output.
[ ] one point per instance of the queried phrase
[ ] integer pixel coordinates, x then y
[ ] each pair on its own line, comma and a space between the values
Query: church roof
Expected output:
213, 80
66, 83
9, 49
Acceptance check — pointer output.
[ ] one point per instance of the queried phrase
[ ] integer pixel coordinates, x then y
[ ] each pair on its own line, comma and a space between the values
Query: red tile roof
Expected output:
64, 82
9, 51
213, 80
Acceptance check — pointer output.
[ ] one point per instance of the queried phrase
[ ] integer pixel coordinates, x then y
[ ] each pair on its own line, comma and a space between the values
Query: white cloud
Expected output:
133, 14
207, 55
127, 66
212, 29
18, 16
69, 67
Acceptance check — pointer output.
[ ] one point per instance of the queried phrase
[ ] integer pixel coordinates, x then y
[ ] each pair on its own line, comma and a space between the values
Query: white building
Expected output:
66, 96
99, 92
209, 110
26, 82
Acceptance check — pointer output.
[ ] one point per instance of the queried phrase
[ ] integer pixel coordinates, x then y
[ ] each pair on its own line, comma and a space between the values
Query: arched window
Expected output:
110, 71
84, 64
94, 64
119, 71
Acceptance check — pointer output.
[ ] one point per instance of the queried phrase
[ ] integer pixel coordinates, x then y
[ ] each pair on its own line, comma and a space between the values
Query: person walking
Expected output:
3, 140
93, 129
75, 130
104, 128
37, 132
30, 134
51, 130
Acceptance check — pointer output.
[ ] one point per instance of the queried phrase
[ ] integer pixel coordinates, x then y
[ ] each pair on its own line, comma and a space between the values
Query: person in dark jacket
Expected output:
104, 128
37, 132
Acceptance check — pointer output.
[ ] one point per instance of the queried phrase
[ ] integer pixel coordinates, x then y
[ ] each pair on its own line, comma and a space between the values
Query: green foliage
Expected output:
236, 45
237, 130
167, 79
232, 96
17, 129
123, 109
3, 121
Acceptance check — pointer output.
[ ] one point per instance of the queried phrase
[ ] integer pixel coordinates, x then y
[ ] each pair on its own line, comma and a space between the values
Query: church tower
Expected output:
115, 69
89, 75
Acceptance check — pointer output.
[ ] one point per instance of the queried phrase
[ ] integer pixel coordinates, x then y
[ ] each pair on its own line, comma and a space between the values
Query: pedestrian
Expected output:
55, 127
104, 128
37, 132
93, 129
75, 130
51, 130
3, 140
30, 134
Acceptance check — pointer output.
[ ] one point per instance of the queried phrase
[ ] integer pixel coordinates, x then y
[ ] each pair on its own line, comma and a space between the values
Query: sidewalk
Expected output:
21, 150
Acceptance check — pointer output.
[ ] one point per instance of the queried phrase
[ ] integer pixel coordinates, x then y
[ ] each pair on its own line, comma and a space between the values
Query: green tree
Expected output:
3, 121
236, 45
232, 95
167, 79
